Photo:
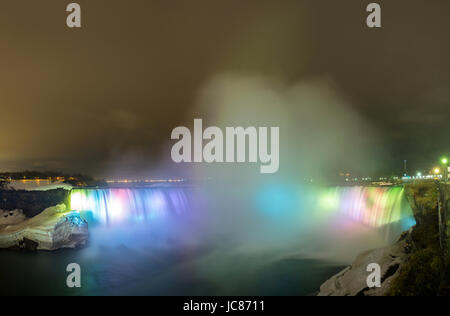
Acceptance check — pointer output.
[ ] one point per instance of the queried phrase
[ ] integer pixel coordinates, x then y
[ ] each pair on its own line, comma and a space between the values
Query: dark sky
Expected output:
111, 92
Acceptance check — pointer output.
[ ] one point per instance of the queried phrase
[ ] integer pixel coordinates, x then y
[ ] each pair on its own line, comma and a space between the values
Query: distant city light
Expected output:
144, 181
444, 161
419, 174
437, 170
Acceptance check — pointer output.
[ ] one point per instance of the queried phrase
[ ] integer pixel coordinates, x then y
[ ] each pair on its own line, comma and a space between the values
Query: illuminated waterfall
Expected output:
332, 223
372, 206
130, 205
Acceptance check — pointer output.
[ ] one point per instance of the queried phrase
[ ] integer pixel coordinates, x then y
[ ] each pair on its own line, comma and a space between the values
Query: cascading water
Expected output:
385, 209
376, 208
129, 205
372, 206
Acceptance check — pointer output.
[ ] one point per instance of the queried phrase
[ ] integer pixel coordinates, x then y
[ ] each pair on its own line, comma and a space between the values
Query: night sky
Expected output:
110, 93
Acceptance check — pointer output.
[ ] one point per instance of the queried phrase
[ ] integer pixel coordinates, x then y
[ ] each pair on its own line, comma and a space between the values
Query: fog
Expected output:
236, 210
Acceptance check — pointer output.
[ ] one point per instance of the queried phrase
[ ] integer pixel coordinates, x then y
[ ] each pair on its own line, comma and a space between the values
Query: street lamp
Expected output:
444, 162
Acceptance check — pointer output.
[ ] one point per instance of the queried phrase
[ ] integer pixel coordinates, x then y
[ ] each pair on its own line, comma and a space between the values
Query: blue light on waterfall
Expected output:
408, 222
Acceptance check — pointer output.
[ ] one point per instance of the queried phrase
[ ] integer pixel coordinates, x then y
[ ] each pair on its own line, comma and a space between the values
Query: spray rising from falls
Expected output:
336, 221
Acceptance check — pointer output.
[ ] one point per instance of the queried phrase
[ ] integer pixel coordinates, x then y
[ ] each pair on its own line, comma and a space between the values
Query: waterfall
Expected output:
129, 205
371, 206
282, 211
381, 209
333, 223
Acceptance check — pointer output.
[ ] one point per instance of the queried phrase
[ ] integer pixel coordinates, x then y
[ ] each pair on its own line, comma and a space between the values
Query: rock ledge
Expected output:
54, 228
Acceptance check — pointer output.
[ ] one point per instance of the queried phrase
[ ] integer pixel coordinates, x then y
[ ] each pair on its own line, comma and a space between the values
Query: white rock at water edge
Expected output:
53, 229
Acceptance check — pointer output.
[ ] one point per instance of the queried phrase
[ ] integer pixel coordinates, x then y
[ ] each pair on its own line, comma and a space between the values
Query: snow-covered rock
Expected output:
53, 229
12, 217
